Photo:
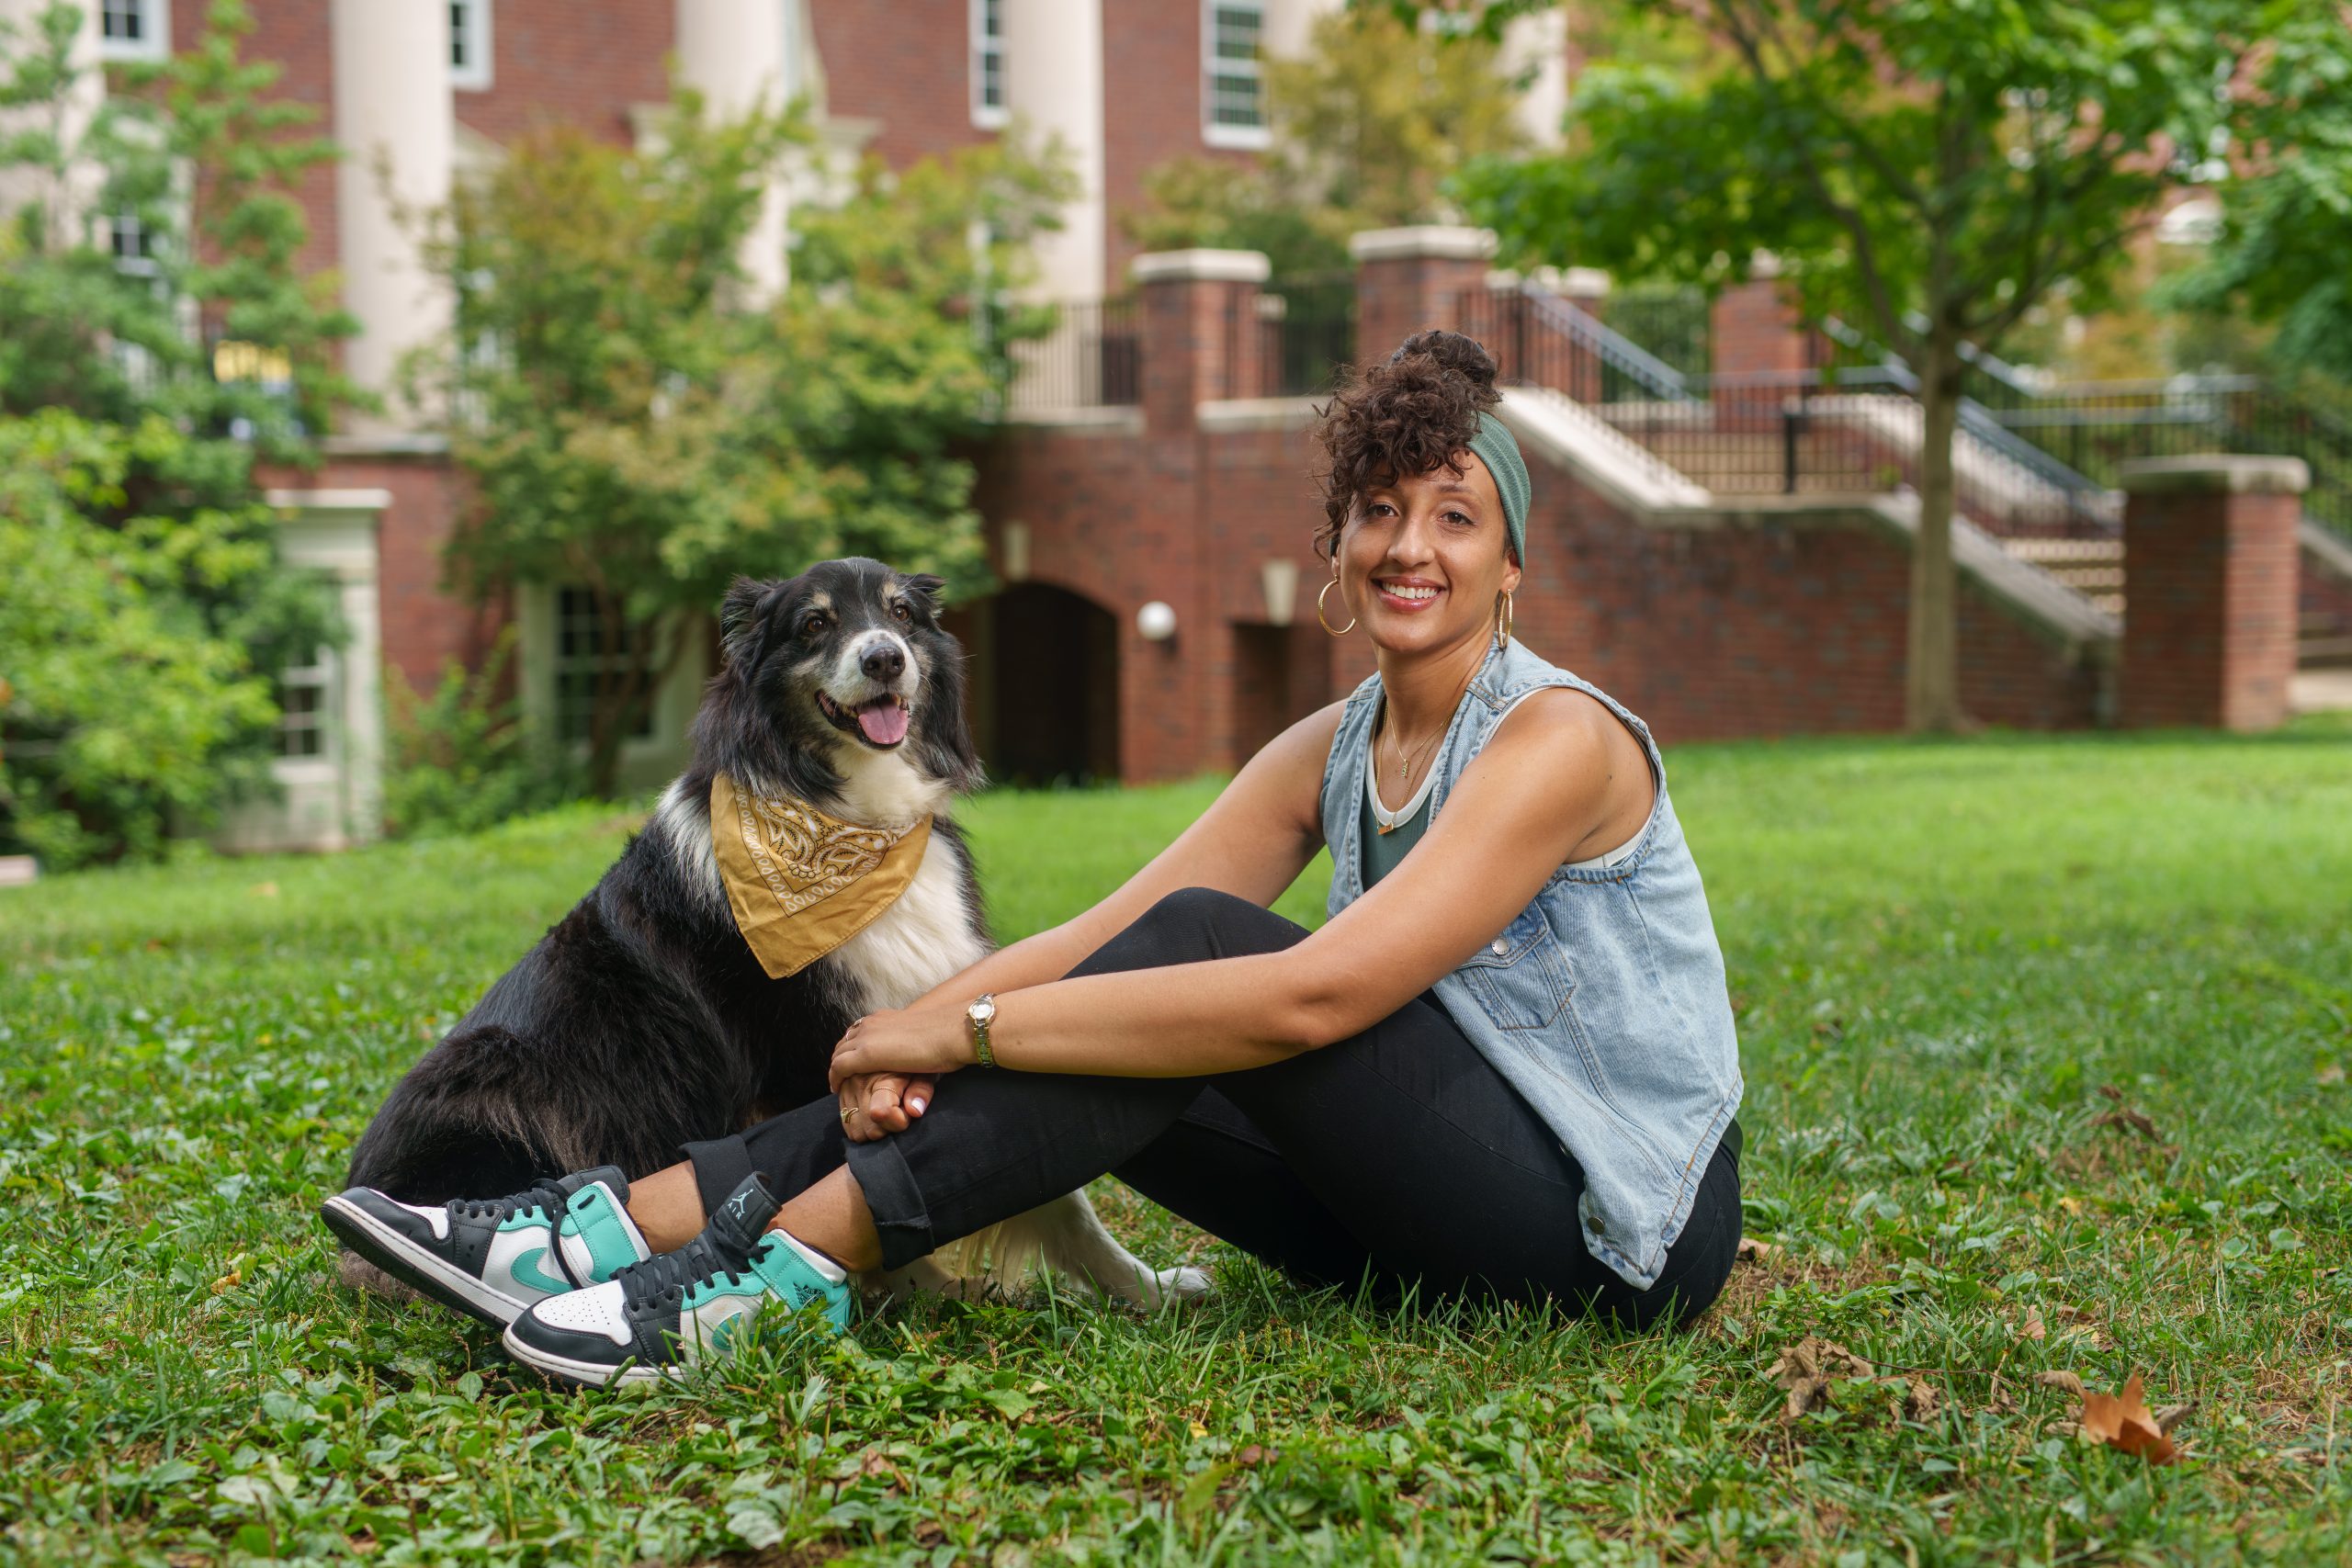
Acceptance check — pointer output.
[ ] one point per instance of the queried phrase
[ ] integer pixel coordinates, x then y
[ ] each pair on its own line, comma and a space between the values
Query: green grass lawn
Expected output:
2036, 1031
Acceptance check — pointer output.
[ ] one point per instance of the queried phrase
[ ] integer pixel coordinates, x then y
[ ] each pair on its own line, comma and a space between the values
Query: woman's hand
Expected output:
876, 1105
913, 1042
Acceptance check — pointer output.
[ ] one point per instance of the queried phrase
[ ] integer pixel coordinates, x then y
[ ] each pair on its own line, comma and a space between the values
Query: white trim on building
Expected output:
1233, 75
991, 109
472, 55
648, 759
331, 757
134, 29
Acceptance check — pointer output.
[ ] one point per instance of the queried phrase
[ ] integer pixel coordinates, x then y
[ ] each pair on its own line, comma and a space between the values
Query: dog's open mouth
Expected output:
879, 722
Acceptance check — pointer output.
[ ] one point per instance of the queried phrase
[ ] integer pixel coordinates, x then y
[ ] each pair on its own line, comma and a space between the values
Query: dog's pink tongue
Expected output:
885, 723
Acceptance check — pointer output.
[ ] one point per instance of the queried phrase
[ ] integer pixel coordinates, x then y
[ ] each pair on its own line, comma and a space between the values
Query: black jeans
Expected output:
1395, 1157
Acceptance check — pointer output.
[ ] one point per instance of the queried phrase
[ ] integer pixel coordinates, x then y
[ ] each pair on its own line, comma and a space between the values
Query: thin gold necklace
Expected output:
1406, 764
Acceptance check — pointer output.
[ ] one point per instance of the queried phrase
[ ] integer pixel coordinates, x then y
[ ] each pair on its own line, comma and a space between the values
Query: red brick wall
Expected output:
2211, 579
1399, 295
906, 63
584, 63
1738, 631
294, 34
2326, 599
424, 625
1151, 74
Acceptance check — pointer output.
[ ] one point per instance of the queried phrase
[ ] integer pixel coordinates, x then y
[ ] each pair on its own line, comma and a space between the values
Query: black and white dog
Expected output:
643, 1020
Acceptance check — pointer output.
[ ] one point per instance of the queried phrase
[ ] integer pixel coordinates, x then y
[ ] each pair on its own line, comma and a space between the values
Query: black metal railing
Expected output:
1841, 431
1671, 320
1307, 333
1073, 354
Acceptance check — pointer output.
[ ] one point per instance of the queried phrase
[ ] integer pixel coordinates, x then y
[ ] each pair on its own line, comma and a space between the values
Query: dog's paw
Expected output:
357, 1274
1183, 1284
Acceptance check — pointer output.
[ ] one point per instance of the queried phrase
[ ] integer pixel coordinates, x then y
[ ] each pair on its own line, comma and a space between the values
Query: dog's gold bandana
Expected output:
802, 883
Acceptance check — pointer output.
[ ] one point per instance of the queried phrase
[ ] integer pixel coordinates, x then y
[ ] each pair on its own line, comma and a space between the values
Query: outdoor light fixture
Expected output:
1012, 551
1155, 621
1280, 580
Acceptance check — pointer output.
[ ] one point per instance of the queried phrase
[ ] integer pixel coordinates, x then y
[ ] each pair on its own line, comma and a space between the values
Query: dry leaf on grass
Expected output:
2031, 1327
2065, 1381
1807, 1368
1755, 1251
1919, 1400
2125, 1116
2124, 1421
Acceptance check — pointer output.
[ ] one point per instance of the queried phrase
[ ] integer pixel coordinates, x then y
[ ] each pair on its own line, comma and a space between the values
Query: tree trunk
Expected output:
1931, 673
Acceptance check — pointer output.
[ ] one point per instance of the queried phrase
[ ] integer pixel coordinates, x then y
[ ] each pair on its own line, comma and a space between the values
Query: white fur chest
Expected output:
921, 940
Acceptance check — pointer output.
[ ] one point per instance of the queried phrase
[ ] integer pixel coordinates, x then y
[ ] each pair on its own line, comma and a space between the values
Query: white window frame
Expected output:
987, 116
155, 23
322, 676
469, 25
565, 664
1213, 132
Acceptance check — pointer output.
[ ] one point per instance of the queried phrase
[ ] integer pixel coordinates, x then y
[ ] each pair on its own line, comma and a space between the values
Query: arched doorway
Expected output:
1045, 685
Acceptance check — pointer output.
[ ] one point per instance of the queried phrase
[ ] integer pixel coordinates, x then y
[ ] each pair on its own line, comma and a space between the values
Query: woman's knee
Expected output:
1194, 925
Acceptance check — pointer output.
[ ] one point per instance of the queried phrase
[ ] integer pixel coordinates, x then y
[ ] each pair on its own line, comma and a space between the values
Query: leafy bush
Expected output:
132, 708
463, 758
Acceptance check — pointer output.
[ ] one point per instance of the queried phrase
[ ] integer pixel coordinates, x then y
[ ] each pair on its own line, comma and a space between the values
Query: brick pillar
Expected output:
1407, 279
1756, 347
1201, 336
2210, 568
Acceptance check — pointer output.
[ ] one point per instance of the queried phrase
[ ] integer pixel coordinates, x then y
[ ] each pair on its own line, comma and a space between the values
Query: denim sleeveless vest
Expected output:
1604, 1003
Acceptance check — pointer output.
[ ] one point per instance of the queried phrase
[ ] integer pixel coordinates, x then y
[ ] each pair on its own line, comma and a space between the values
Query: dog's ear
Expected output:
743, 618
926, 587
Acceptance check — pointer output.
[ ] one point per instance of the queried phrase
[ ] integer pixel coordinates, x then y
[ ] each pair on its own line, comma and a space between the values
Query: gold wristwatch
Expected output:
979, 1015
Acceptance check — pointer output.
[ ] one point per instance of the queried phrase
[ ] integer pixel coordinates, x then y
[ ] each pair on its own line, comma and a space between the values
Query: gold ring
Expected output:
847, 1111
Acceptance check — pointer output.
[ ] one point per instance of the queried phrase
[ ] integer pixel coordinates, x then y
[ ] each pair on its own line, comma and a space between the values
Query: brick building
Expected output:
1148, 512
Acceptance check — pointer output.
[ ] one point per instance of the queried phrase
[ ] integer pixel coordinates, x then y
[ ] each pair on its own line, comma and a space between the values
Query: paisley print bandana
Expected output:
802, 883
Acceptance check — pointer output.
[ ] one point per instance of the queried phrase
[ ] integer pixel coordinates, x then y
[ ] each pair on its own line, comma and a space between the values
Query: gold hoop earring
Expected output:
1325, 619
1506, 620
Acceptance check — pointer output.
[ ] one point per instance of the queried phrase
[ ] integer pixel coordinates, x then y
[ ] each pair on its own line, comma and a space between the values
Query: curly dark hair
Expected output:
1411, 414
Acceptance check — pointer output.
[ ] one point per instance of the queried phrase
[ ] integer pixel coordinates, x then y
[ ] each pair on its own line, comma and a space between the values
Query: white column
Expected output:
734, 53
68, 201
1290, 26
1053, 84
1540, 40
392, 118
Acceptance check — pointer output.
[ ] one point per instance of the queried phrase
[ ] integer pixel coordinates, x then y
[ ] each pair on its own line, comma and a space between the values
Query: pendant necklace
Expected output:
1404, 763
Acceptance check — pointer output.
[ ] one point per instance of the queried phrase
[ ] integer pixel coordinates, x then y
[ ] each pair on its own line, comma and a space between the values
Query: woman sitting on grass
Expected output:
1505, 1066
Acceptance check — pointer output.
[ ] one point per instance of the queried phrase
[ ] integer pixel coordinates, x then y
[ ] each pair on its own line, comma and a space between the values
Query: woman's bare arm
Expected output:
1560, 775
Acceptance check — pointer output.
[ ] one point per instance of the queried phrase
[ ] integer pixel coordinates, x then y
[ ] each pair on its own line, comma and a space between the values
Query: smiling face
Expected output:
1422, 558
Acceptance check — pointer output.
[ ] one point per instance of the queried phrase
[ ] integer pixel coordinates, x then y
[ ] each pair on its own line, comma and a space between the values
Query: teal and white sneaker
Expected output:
659, 1318
493, 1258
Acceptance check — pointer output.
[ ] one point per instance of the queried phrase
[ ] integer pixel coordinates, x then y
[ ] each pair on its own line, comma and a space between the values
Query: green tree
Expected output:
1931, 169
1369, 126
130, 711
174, 365
640, 426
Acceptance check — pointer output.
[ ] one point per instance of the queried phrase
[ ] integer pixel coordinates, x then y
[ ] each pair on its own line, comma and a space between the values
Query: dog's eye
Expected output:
899, 610
816, 626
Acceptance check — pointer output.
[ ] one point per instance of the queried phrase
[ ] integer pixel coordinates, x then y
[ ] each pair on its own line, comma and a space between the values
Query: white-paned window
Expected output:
988, 105
134, 29
469, 44
1233, 75
132, 245
306, 707
581, 649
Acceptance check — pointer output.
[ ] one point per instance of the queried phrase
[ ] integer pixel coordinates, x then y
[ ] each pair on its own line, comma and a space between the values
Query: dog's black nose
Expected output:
883, 662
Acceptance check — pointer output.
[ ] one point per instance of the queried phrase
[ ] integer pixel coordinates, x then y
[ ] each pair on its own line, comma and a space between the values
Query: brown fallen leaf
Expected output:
1755, 1251
1807, 1368
2125, 1116
2123, 1421
2031, 1327
1919, 1400
2064, 1380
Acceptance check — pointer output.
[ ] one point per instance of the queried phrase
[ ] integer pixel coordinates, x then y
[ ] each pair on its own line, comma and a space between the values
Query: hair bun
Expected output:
1454, 352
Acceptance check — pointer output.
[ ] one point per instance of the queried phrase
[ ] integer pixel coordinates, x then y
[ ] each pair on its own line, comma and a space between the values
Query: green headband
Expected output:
1497, 449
